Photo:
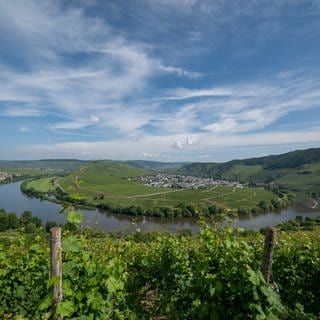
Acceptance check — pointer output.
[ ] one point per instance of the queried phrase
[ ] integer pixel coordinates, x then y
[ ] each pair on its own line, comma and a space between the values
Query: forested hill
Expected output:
298, 169
294, 159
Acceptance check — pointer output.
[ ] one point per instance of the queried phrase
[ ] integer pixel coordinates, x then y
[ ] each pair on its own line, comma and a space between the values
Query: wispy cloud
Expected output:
174, 78
244, 107
54, 80
21, 112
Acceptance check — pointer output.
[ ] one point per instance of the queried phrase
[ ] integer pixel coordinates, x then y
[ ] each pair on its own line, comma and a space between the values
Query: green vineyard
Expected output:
213, 275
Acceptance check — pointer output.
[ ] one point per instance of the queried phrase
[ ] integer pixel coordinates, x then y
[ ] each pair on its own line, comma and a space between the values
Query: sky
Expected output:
163, 80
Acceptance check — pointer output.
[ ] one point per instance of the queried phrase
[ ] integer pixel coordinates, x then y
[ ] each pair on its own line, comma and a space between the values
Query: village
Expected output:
183, 182
7, 177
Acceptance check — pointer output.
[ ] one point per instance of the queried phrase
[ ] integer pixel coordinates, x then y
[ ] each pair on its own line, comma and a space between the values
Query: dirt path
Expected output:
210, 189
155, 194
56, 184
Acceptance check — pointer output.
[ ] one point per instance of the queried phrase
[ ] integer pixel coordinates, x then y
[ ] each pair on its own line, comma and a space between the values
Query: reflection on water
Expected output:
12, 199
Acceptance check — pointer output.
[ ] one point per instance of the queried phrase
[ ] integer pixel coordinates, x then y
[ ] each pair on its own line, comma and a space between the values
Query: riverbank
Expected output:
213, 202
12, 199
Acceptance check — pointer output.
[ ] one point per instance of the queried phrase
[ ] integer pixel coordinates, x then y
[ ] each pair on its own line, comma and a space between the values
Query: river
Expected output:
12, 199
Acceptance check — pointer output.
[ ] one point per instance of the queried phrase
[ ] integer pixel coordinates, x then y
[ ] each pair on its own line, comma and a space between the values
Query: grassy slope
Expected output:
43, 185
306, 178
110, 179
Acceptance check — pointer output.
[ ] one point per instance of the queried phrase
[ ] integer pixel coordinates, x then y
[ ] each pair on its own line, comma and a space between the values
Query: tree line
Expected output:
30, 223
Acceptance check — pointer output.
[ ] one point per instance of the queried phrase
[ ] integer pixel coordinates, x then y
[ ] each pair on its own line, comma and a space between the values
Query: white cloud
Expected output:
190, 141
94, 119
243, 107
179, 71
150, 155
117, 69
68, 125
130, 149
178, 145
183, 94
21, 112
111, 93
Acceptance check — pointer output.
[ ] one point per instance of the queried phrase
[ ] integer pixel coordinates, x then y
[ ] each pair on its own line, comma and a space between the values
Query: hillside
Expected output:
121, 188
297, 170
156, 165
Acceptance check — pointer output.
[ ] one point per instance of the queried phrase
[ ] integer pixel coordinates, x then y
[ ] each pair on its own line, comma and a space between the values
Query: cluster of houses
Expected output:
6, 177
184, 182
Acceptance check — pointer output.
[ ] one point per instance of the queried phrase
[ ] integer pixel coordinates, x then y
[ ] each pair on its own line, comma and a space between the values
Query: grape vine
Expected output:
213, 275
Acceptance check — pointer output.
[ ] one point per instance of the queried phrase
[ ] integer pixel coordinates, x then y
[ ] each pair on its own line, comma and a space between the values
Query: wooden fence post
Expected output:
269, 244
56, 267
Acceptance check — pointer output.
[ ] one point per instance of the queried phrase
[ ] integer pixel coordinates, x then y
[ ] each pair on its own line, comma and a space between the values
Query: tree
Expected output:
50, 224
3, 220
13, 221
31, 228
26, 217
37, 221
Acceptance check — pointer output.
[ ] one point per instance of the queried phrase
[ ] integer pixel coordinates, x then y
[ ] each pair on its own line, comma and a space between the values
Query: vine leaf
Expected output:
71, 244
75, 217
65, 309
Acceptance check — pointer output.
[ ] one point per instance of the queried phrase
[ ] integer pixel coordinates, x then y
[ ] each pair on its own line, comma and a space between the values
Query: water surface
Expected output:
12, 199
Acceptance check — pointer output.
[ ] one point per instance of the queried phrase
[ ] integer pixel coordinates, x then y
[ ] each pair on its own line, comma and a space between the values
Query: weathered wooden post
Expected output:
269, 244
56, 268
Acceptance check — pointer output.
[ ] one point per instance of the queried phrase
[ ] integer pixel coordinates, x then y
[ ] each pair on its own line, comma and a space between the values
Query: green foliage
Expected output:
74, 216
213, 275
49, 225
10, 221
23, 275
205, 279
297, 270
299, 223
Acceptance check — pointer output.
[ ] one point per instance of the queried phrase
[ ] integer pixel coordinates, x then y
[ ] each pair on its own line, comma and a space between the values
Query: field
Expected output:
112, 182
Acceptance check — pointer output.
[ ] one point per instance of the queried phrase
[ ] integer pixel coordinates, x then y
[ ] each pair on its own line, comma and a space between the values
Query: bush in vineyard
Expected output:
297, 271
23, 276
212, 278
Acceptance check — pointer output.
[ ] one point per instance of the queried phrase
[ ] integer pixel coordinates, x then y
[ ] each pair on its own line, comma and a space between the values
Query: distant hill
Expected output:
293, 159
48, 164
297, 170
156, 165
72, 164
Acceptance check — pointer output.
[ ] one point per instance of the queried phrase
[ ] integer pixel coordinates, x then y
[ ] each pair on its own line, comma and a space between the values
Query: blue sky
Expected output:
165, 80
